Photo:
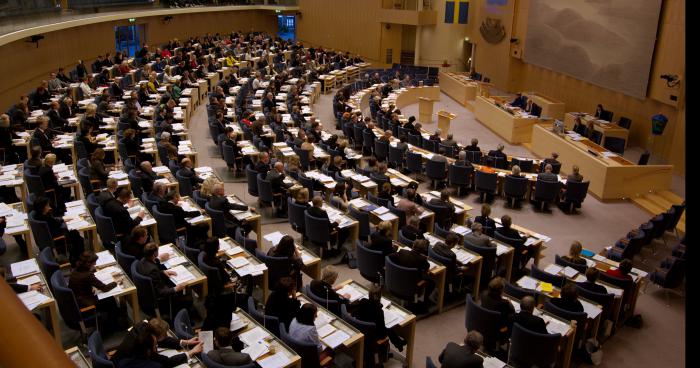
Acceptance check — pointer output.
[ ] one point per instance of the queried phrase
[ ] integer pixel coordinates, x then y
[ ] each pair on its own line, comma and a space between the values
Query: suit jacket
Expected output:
178, 213
486, 221
262, 168
123, 223
458, 356
544, 176
371, 311
530, 322
48, 179
574, 178
497, 153
56, 121
325, 290
280, 305
98, 171
380, 242
569, 305
44, 139
228, 357
511, 233
498, 305
276, 180
56, 224
189, 173
147, 180
220, 203
478, 240
411, 233
161, 282
126, 348
411, 259
82, 282
472, 148
104, 196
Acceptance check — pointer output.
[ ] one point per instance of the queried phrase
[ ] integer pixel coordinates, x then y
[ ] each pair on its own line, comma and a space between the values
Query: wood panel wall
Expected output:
24, 65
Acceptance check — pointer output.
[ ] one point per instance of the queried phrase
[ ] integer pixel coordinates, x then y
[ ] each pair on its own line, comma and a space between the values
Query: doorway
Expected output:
286, 27
129, 38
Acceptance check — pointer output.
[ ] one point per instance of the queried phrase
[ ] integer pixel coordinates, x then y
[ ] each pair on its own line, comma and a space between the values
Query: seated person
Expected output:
408, 204
552, 160
302, 198
445, 249
416, 258
385, 193
547, 175
412, 229
449, 141
381, 239
462, 160
67, 243
157, 329
323, 288
477, 237
287, 249
279, 188
114, 208
485, 220
575, 254
97, 167
519, 101
187, 170
370, 310
219, 202
282, 302
568, 299
222, 299
302, 327
590, 284
445, 218
82, 281
133, 244
316, 210
498, 152
515, 172
492, 299
227, 349
506, 229
623, 270
147, 175
575, 176
371, 165
526, 319
463, 356
151, 267
474, 146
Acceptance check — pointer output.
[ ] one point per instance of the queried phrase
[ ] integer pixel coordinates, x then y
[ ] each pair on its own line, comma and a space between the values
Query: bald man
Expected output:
219, 202
187, 171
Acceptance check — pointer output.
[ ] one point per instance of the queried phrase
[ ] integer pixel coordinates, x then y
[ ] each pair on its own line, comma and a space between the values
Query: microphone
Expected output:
327, 292
264, 319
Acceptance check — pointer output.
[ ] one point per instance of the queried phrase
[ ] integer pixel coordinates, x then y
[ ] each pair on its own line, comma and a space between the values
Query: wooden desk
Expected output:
77, 357
469, 261
109, 271
344, 222
461, 208
408, 96
607, 129
247, 216
458, 86
241, 318
77, 217
404, 323
353, 344
514, 129
177, 259
551, 108
229, 248
610, 178
603, 264
30, 268
17, 223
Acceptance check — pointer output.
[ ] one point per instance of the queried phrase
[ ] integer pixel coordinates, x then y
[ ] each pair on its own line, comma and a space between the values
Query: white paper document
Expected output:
335, 339
553, 269
278, 360
32, 299
22, 268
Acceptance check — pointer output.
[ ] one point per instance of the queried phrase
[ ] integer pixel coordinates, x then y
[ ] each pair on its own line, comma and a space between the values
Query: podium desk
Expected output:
458, 86
604, 127
551, 108
425, 110
444, 119
515, 127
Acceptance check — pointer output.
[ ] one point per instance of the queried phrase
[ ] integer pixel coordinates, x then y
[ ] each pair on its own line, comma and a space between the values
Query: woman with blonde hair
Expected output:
381, 239
207, 187
575, 254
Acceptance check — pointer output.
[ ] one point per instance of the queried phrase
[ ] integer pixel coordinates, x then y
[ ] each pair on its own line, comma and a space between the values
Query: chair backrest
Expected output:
97, 352
556, 280
295, 215
429, 363
474, 156
182, 325
381, 150
414, 139
525, 165
485, 182
197, 196
173, 165
135, 181
401, 281
615, 144
440, 231
92, 203
105, 226
515, 187
414, 162
332, 305
460, 175
528, 348
363, 219
376, 200
34, 184
184, 183
264, 189
517, 292
228, 153
562, 262
276, 266
396, 155
218, 221
486, 321
488, 255
306, 182
307, 351
67, 303
41, 232
214, 282
271, 323
148, 299
624, 122
429, 145
370, 262
596, 136
47, 262
251, 176
644, 158
369, 329
576, 192
579, 317
124, 260
304, 158
404, 240
401, 214
317, 237
605, 300
83, 162
166, 226
436, 169
546, 190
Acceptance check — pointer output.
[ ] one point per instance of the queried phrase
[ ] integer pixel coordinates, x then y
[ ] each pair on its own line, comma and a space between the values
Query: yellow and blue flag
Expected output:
457, 11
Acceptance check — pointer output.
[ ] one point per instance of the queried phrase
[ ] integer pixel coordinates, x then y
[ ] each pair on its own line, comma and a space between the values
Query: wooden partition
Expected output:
457, 86
551, 107
411, 95
511, 128
610, 178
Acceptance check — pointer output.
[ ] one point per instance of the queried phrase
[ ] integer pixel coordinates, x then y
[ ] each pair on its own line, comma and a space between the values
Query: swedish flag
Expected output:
461, 16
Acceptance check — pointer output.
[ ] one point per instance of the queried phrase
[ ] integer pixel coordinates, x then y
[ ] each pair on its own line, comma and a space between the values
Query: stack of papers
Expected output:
32, 299
335, 339
274, 238
527, 283
31, 280
105, 258
182, 275
278, 360
350, 291
256, 349
553, 269
463, 256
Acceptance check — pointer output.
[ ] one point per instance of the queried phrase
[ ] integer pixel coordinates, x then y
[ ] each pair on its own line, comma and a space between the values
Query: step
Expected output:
672, 197
648, 205
659, 200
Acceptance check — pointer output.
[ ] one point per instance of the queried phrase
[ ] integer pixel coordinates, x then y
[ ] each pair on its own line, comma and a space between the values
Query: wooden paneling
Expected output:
669, 53
409, 17
493, 60
25, 65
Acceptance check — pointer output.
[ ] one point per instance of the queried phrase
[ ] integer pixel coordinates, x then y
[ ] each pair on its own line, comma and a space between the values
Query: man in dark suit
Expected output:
114, 209
412, 229
526, 319
187, 170
55, 119
498, 152
158, 193
150, 266
474, 146
170, 206
477, 238
227, 349
263, 164
219, 202
324, 287
592, 274
416, 258
148, 176
67, 110
449, 141
410, 128
547, 175
463, 356
279, 188
110, 191
552, 160
462, 160
43, 135
445, 218
506, 230
519, 101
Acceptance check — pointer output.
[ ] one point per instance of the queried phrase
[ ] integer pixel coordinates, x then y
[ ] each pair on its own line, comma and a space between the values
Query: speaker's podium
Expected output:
444, 119
425, 110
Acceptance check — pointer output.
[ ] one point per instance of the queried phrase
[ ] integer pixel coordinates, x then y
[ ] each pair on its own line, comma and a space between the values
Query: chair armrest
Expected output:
383, 341
62, 237
90, 308
420, 283
326, 361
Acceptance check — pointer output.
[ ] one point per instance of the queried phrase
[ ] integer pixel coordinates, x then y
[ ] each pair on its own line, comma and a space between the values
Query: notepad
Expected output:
31, 280
253, 335
545, 287
238, 262
335, 339
274, 238
553, 269
32, 299
172, 262
278, 360
256, 349
325, 330
570, 272
183, 275
527, 283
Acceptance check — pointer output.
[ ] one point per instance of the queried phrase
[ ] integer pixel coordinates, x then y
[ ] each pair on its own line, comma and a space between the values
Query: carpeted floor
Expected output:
659, 343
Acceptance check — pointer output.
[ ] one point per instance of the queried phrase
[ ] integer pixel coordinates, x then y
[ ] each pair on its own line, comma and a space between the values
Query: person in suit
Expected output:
324, 287
134, 244
590, 284
449, 141
412, 229
370, 310
196, 233
219, 202
385, 192
552, 160
56, 121
157, 194
622, 271
316, 210
380, 239
282, 302
599, 111
484, 218
547, 175
263, 164
66, 242
462, 160
519, 101
474, 146
408, 204
279, 188
151, 267
410, 128
463, 356
48, 179
492, 299
575, 176
445, 218
114, 209
98, 170
526, 319
498, 152
227, 349
16, 287
416, 258
515, 172
222, 299
147, 175
82, 280
574, 255
568, 299
43, 135
187, 170
156, 330
440, 156
477, 237
506, 230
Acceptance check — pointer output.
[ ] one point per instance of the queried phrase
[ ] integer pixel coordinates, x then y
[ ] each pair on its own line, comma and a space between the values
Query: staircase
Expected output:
656, 203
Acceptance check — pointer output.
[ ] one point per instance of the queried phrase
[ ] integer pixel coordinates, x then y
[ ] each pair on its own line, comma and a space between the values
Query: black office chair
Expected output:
485, 321
644, 158
486, 184
528, 348
624, 122
574, 195
615, 144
